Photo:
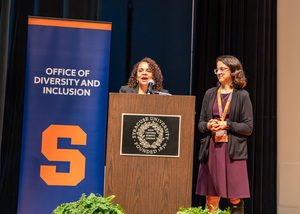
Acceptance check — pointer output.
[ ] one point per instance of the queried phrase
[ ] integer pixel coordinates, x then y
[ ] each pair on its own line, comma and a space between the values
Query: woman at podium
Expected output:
226, 119
145, 77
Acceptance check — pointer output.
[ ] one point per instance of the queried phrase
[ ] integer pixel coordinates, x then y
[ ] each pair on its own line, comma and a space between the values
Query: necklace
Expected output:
224, 98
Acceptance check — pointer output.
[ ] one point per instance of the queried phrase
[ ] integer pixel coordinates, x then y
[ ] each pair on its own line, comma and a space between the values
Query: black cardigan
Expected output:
128, 89
241, 118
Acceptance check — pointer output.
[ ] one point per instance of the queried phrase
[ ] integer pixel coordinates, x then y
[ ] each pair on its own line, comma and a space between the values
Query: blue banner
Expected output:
65, 112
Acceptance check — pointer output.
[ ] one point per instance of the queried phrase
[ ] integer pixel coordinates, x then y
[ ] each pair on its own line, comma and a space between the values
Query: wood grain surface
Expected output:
150, 185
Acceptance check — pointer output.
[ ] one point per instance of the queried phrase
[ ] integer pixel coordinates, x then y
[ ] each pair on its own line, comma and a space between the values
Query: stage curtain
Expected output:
14, 18
247, 30
244, 28
4, 44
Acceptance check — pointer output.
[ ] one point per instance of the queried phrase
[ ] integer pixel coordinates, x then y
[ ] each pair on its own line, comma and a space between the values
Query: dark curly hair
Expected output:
239, 79
156, 72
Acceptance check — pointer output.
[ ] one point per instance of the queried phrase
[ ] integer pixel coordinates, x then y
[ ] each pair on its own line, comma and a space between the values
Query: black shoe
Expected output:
237, 208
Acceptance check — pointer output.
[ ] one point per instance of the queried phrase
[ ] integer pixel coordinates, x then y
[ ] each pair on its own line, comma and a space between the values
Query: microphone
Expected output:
150, 86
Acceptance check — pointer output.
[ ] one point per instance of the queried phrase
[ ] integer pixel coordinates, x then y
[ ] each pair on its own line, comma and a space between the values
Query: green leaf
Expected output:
199, 210
90, 205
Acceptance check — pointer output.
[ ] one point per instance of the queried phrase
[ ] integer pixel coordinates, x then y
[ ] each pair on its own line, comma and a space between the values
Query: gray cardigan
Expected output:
241, 118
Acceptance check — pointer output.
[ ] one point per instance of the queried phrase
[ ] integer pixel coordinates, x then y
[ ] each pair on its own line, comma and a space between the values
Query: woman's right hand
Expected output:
213, 125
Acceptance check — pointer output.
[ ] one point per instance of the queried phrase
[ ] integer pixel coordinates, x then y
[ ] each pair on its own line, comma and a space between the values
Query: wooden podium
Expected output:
146, 184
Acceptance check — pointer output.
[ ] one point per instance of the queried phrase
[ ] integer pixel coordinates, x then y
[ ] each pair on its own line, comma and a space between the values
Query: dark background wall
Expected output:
158, 29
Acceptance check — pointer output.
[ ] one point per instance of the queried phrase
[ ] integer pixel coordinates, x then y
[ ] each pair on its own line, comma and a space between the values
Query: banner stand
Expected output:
65, 108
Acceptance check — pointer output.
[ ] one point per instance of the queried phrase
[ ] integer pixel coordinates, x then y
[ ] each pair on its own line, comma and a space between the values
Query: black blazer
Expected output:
241, 118
128, 89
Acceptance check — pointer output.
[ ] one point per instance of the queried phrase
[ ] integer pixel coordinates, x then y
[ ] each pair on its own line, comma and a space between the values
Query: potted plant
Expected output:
90, 205
199, 210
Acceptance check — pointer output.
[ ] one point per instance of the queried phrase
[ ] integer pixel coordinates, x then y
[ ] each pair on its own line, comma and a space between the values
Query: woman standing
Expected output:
226, 119
142, 72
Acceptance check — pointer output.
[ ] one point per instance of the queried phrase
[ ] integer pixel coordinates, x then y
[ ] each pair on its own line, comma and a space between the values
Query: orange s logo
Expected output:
74, 156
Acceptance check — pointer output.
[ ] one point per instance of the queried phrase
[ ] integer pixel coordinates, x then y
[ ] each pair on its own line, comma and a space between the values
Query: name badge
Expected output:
221, 136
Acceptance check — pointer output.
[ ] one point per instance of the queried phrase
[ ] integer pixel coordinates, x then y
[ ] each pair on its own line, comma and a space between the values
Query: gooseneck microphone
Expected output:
150, 86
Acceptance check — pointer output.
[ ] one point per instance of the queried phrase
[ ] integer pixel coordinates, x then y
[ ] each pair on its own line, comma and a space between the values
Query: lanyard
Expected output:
221, 113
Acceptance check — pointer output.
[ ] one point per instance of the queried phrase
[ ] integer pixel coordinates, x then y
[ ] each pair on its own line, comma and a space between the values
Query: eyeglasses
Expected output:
222, 70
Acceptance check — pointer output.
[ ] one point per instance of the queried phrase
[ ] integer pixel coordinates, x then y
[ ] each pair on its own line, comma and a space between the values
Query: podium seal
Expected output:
154, 135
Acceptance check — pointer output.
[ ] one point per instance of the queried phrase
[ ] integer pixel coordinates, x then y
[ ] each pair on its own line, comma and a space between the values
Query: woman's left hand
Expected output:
218, 126
222, 125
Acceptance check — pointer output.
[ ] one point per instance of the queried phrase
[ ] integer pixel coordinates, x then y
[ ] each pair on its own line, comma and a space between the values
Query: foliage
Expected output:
90, 205
199, 210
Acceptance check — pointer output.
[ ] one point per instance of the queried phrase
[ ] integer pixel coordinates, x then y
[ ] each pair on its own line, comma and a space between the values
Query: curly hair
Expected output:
239, 79
157, 75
